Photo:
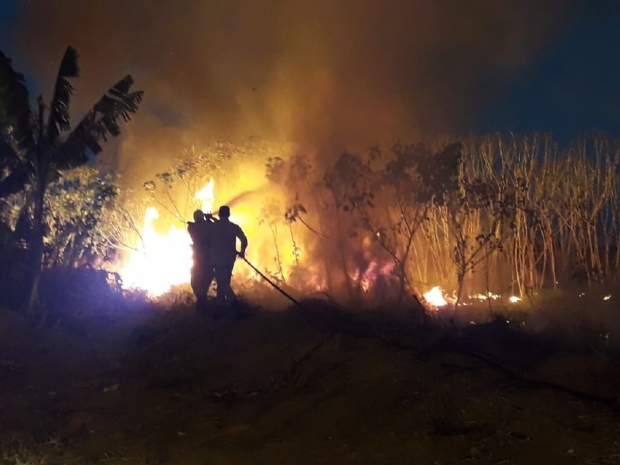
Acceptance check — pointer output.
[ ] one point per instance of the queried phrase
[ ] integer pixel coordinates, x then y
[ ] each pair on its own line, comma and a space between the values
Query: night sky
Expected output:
339, 71
571, 88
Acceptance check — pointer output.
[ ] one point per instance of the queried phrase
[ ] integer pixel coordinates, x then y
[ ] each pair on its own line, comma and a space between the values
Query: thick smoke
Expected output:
323, 74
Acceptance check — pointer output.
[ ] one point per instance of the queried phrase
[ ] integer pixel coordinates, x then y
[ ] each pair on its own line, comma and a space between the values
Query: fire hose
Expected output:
612, 402
274, 285
210, 216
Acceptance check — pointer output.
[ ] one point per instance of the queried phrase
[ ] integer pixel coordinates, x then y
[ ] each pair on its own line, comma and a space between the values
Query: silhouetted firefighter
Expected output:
223, 236
202, 269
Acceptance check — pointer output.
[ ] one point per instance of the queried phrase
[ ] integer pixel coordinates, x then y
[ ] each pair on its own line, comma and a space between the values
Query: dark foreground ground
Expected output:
172, 388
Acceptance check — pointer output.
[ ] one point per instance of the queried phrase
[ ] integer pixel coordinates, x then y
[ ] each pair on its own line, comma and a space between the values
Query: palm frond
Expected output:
59, 119
103, 120
15, 111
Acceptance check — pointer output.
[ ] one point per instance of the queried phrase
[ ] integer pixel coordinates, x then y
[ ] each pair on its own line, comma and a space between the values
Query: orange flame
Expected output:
161, 261
435, 297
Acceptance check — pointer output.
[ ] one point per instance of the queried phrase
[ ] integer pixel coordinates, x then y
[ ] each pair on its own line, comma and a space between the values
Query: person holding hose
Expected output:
202, 270
223, 251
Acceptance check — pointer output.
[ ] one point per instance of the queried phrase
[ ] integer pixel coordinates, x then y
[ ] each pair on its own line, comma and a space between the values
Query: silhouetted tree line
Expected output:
493, 214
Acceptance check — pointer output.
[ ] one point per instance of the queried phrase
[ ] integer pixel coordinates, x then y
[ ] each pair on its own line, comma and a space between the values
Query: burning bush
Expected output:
491, 216
485, 216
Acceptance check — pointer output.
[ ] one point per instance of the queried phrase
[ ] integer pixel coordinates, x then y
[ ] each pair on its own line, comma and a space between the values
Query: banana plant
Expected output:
38, 144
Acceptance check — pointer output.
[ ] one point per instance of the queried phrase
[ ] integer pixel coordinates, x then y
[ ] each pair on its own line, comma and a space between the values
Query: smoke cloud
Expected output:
323, 74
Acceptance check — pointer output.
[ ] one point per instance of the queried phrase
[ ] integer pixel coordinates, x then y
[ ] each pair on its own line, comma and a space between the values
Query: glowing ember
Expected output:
490, 295
163, 260
607, 297
435, 297
514, 299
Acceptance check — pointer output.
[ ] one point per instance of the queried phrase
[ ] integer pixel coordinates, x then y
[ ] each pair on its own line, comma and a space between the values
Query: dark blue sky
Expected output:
570, 88
8, 12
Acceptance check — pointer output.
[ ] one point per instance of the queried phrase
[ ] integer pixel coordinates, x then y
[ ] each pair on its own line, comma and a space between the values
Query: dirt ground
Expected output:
159, 387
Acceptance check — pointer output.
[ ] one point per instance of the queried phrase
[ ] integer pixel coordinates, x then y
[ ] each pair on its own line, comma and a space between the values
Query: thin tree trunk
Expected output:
36, 256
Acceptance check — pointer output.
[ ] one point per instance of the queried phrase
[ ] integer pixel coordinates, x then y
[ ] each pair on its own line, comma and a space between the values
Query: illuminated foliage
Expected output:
486, 214
39, 144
